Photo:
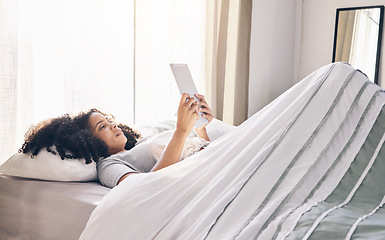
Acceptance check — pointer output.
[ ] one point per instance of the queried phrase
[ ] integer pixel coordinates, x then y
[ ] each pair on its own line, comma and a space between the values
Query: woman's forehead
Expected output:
95, 118
96, 115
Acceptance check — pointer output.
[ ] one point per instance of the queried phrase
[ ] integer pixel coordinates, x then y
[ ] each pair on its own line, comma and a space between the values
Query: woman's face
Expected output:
107, 131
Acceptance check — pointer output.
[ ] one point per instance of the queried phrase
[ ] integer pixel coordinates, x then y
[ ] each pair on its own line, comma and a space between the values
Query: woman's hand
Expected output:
204, 108
186, 117
206, 112
187, 114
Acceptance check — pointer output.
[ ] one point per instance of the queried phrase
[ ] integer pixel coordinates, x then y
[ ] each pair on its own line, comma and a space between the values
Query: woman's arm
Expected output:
186, 118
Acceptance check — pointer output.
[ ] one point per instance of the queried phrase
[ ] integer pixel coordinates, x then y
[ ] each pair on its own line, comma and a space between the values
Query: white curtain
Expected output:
62, 56
65, 56
227, 58
364, 41
166, 31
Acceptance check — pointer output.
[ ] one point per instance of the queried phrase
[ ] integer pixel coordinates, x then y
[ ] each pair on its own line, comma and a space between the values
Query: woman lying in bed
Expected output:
95, 137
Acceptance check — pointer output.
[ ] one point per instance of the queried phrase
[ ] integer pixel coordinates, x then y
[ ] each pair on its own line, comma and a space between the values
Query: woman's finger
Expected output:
205, 110
191, 101
184, 98
204, 105
200, 97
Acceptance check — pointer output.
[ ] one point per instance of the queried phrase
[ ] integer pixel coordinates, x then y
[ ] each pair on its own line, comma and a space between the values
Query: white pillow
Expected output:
147, 130
215, 129
46, 166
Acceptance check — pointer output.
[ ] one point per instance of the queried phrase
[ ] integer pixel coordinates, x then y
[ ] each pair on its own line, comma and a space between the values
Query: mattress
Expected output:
36, 209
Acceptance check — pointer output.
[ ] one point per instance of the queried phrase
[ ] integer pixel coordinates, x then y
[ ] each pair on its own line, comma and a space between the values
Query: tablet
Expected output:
185, 83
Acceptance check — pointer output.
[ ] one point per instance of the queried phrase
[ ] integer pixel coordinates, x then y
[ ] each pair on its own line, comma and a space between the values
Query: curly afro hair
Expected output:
71, 137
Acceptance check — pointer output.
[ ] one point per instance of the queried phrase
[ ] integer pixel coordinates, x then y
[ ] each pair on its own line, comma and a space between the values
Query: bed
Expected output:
310, 165
48, 198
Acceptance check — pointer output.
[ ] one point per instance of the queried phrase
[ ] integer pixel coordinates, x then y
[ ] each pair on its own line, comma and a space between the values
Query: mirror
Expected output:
357, 38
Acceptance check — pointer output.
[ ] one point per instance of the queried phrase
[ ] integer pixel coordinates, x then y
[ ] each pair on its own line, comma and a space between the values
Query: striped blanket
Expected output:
310, 165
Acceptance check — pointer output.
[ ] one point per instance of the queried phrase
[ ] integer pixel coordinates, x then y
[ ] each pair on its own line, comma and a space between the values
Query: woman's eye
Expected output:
101, 127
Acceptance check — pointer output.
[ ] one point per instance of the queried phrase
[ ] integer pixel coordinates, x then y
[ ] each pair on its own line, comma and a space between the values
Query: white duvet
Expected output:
260, 180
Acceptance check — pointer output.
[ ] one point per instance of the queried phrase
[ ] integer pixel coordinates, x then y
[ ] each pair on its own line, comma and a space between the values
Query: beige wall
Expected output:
290, 39
272, 48
317, 33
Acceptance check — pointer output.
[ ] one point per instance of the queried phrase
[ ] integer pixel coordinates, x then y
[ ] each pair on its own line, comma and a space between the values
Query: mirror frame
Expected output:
381, 25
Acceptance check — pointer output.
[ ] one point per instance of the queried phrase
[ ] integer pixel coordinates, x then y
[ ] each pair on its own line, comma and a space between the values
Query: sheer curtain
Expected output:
363, 49
227, 58
177, 35
65, 56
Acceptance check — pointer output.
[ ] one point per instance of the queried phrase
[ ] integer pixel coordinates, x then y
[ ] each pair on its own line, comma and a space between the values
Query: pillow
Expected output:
215, 129
46, 166
147, 130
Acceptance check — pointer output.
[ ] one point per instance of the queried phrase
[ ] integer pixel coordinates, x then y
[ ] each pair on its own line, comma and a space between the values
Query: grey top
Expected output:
142, 157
